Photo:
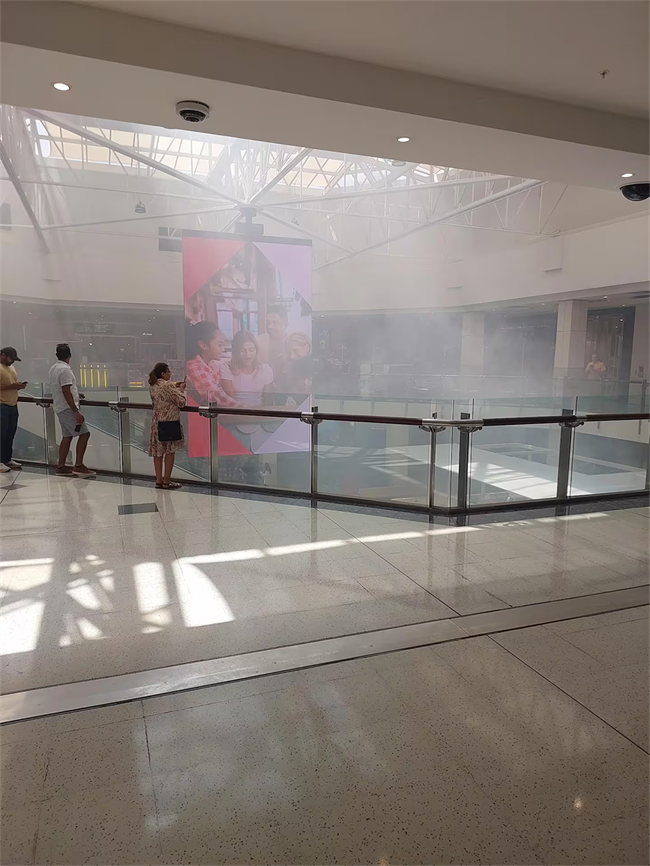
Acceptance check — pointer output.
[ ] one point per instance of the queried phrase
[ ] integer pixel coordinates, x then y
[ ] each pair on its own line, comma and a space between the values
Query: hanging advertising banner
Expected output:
248, 342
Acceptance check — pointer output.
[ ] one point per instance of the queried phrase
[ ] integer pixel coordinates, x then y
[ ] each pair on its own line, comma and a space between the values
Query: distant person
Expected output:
207, 344
9, 388
66, 406
166, 435
595, 369
246, 378
272, 343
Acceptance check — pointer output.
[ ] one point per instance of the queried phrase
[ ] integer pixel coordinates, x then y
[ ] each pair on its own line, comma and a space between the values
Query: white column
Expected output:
570, 345
472, 350
472, 344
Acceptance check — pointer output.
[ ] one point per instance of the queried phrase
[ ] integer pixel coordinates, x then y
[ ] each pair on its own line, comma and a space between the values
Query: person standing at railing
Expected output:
166, 436
9, 388
65, 402
595, 369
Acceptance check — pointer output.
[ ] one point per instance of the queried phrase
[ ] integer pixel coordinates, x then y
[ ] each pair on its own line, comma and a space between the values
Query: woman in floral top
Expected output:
167, 398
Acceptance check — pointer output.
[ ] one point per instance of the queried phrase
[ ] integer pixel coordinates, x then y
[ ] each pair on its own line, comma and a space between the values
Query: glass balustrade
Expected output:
457, 457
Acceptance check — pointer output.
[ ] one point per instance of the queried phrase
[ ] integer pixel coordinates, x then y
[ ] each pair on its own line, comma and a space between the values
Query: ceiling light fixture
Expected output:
140, 208
628, 174
60, 85
403, 139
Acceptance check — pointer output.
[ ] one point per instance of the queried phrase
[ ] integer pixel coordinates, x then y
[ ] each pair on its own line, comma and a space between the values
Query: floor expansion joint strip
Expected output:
50, 700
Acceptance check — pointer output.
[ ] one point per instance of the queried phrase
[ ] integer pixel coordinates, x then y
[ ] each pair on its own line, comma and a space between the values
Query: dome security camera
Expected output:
636, 191
192, 111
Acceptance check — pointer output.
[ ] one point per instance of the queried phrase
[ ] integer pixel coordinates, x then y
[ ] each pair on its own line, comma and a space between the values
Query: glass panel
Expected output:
513, 464
100, 418
189, 468
387, 462
103, 446
29, 443
445, 480
609, 456
500, 407
267, 452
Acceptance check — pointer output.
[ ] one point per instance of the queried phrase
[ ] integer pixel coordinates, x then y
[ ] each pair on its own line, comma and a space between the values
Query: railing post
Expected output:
564, 453
214, 446
308, 418
463, 463
49, 431
211, 413
428, 425
123, 433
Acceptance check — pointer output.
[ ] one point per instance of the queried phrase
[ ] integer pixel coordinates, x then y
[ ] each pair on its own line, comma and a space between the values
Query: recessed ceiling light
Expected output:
628, 174
604, 297
60, 85
403, 139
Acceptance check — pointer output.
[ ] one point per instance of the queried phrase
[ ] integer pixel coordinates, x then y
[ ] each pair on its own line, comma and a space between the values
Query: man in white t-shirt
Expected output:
66, 406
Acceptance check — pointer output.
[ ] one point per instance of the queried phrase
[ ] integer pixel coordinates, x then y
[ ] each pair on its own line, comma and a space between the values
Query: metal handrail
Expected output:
263, 412
214, 414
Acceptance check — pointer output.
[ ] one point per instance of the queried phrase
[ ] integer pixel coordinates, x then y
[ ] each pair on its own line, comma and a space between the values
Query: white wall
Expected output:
116, 264
606, 256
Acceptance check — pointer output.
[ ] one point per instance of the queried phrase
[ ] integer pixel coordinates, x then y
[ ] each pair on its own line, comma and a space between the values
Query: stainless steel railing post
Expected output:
49, 431
565, 452
463, 463
308, 418
123, 433
214, 445
429, 425
212, 414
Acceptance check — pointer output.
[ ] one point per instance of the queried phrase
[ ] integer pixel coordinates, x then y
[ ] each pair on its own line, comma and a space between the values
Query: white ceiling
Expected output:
554, 50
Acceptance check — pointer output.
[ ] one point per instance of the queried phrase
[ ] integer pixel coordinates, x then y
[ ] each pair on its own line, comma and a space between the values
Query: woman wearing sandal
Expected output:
166, 435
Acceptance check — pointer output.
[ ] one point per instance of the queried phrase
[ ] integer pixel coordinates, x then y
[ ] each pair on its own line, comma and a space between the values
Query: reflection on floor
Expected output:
530, 748
86, 591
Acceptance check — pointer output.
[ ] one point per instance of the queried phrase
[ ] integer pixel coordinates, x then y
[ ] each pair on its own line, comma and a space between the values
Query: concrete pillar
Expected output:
570, 346
472, 350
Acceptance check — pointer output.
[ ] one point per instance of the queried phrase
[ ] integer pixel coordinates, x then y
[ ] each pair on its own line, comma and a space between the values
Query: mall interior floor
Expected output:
524, 746
100, 578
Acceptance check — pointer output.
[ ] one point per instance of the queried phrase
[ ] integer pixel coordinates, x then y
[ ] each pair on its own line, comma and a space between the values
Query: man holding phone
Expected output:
9, 388
66, 406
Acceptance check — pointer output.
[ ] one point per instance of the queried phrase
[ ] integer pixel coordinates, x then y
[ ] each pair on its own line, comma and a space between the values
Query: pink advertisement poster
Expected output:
248, 339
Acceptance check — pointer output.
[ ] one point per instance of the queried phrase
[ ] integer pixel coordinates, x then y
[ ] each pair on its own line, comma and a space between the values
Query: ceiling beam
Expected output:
467, 208
416, 187
131, 154
22, 195
162, 216
309, 234
134, 192
284, 171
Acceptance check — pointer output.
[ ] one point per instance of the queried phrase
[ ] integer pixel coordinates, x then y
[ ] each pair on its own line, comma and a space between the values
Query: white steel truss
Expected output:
347, 204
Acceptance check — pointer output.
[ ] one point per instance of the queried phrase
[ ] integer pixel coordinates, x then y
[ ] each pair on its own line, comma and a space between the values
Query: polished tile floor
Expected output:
527, 748
88, 590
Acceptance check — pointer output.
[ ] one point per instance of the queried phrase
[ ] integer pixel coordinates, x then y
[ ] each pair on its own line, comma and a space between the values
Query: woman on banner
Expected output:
207, 344
246, 379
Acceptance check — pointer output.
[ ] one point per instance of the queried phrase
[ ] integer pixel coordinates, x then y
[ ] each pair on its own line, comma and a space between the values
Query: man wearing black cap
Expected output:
9, 388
